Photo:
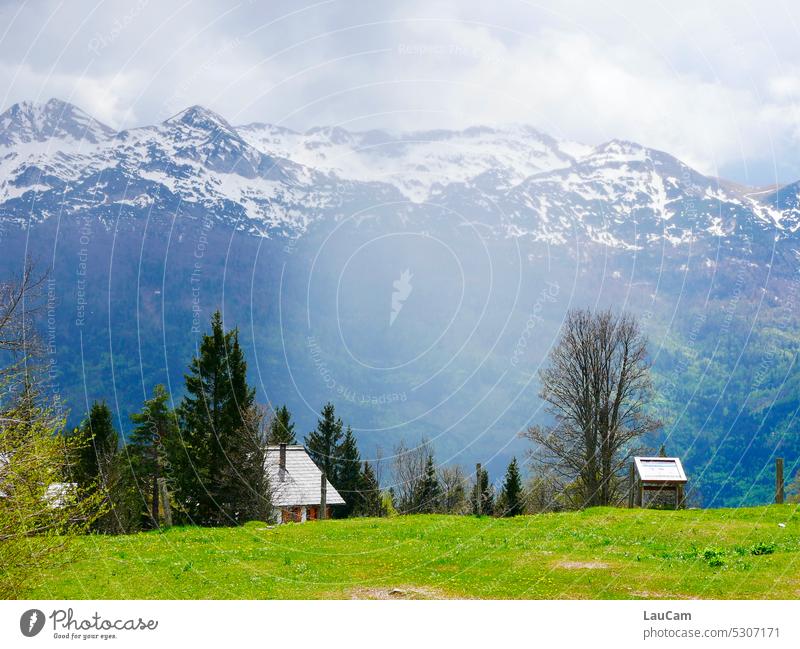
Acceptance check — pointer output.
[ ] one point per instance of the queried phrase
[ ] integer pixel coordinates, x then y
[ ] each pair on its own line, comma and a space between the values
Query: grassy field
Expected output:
598, 553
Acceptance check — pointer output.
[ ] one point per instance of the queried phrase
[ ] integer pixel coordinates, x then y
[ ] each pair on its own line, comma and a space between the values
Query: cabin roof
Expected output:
300, 482
660, 469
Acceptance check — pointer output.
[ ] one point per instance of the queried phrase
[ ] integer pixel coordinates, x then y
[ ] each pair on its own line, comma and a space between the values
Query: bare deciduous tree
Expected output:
454, 489
597, 387
36, 496
409, 471
20, 300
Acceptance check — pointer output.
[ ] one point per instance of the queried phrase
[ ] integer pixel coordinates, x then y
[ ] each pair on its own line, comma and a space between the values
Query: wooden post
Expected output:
779, 480
631, 483
478, 494
323, 498
162, 489
639, 493
679, 497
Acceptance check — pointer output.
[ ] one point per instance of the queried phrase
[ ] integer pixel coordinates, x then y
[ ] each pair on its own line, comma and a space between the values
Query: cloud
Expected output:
714, 83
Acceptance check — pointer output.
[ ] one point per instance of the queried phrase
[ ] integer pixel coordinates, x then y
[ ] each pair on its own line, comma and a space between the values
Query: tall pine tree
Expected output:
513, 504
281, 428
429, 491
348, 473
322, 443
98, 465
215, 471
370, 502
156, 431
96, 456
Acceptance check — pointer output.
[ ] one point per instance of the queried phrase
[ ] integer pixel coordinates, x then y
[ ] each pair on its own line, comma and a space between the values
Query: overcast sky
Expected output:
715, 83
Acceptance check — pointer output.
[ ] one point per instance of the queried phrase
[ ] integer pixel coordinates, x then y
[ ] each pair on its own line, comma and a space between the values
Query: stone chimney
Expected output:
282, 460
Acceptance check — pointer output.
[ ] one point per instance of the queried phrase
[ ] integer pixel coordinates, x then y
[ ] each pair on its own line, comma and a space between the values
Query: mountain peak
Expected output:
200, 117
28, 121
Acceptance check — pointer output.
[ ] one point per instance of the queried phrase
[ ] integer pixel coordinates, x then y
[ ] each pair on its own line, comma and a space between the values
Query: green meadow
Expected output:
597, 553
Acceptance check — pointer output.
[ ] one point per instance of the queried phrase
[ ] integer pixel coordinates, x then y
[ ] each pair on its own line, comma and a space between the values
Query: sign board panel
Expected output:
659, 469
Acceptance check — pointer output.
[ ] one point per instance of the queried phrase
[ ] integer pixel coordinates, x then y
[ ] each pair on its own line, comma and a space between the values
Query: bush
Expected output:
761, 548
714, 557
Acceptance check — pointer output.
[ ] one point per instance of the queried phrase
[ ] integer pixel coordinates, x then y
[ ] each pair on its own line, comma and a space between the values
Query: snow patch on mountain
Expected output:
415, 162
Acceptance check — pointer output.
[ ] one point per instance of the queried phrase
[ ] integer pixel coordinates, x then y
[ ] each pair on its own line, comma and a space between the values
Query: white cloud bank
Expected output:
717, 84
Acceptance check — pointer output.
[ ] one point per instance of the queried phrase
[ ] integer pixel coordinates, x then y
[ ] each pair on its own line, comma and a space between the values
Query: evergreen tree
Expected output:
281, 429
371, 499
348, 473
513, 504
215, 464
95, 456
98, 468
322, 444
429, 491
156, 430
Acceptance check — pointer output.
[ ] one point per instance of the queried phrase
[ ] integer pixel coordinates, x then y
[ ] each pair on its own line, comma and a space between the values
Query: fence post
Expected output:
478, 493
162, 488
779, 480
631, 483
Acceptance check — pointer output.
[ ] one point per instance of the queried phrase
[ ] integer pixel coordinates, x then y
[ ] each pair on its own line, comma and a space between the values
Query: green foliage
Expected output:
370, 502
281, 429
348, 478
96, 455
714, 557
511, 494
732, 392
762, 548
99, 466
216, 466
387, 503
154, 437
322, 444
38, 499
338, 458
427, 498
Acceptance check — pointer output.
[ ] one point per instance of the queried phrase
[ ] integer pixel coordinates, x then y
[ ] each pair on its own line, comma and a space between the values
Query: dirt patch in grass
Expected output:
582, 565
650, 594
397, 592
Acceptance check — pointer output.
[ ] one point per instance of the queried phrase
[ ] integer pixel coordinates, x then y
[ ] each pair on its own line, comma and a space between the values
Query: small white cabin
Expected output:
298, 491
56, 495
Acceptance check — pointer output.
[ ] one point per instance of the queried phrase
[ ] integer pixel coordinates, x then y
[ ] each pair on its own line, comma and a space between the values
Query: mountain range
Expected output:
491, 233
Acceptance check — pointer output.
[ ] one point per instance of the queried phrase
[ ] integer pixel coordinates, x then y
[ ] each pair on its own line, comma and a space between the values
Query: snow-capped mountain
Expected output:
54, 158
627, 196
417, 163
28, 122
